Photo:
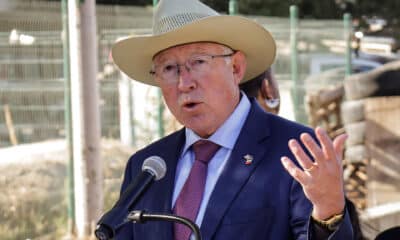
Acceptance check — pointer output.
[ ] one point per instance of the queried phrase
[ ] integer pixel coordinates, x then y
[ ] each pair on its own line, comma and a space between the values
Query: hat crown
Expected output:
173, 14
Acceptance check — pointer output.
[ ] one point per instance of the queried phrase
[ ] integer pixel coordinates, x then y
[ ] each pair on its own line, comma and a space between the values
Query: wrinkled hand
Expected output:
322, 177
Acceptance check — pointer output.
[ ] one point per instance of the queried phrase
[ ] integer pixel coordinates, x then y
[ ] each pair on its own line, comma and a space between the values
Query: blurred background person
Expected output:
265, 89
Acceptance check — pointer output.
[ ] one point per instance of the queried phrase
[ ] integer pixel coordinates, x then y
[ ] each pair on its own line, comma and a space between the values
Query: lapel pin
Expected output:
248, 159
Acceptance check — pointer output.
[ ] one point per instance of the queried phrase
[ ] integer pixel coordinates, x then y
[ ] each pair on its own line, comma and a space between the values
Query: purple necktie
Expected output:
188, 202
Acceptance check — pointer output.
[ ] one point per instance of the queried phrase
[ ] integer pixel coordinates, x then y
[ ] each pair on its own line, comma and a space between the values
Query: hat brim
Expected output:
133, 55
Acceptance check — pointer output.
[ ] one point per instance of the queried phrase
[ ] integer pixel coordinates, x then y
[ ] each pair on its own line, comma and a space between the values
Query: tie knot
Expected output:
204, 150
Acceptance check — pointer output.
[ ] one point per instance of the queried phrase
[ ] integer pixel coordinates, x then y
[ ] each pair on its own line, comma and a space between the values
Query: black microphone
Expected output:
138, 216
153, 169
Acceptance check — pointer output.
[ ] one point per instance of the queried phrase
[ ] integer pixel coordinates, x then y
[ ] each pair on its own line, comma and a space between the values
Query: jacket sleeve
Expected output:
304, 228
344, 231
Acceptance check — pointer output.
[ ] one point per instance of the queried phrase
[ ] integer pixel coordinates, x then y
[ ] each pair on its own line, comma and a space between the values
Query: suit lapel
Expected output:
236, 172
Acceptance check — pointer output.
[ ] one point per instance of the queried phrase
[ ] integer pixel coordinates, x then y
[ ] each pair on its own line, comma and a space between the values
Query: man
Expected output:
225, 172
265, 89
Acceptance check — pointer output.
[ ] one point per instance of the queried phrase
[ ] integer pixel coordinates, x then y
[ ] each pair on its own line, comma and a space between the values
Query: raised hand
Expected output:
322, 176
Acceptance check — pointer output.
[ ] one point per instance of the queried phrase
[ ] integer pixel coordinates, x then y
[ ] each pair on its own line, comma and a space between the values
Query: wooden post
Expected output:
10, 125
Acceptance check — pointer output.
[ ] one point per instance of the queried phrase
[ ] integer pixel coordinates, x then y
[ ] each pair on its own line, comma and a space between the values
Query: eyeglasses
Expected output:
169, 72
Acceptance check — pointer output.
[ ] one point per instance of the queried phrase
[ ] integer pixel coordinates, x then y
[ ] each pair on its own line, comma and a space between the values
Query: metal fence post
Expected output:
347, 39
293, 49
160, 118
126, 128
233, 7
161, 130
67, 118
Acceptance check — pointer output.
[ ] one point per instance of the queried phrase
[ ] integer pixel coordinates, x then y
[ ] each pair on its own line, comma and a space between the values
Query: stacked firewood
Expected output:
324, 109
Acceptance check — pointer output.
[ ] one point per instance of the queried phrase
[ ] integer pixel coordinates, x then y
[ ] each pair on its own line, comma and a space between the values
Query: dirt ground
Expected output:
33, 177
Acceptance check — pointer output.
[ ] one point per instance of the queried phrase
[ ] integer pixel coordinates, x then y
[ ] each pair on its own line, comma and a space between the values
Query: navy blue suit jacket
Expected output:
254, 202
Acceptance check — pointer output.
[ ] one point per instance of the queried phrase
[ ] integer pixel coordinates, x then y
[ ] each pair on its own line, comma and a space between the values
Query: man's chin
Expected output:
201, 128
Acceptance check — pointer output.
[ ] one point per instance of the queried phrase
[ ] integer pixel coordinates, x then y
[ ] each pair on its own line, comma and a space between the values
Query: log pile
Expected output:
359, 107
324, 109
365, 97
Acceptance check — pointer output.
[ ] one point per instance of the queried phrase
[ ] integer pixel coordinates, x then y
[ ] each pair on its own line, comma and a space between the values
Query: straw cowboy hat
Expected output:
177, 22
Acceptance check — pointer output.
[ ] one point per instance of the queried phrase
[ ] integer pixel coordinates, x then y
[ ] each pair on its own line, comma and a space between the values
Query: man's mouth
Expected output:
190, 105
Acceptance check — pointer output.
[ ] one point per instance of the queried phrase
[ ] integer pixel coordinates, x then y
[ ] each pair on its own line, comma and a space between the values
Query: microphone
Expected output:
153, 169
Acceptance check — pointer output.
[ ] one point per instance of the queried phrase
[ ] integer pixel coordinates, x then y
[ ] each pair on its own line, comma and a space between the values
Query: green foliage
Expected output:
264, 8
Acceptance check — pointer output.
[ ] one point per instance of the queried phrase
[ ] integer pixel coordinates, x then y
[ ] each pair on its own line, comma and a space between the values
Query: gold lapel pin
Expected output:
248, 159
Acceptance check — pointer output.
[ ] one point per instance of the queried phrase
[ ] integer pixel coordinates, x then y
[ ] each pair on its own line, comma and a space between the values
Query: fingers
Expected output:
332, 150
323, 153
319, 153
312, 147
338, 145
293, 170
303, 159
326, 142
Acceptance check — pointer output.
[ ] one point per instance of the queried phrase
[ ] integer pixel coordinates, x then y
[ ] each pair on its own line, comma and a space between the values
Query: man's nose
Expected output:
182, 66
185, 78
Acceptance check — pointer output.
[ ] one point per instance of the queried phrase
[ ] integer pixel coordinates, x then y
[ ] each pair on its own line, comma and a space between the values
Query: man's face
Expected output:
199, 82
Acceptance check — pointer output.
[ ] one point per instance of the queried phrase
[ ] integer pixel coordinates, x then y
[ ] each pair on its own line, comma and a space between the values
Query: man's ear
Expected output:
239, 66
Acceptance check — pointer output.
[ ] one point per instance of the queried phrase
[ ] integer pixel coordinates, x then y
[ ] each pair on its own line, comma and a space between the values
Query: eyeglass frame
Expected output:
187, 65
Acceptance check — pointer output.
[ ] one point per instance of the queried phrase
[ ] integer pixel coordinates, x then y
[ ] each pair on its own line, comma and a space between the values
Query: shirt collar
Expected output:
227, 134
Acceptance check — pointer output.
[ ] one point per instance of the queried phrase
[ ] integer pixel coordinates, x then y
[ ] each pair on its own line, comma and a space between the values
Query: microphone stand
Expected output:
138, 216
